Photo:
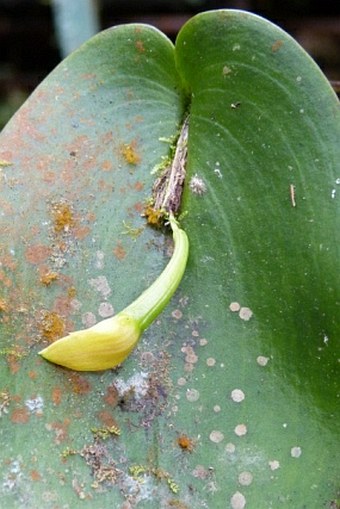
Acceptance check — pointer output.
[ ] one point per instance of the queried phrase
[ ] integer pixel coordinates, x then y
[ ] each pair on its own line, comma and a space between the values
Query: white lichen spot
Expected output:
105, 310
236, 47
88, 319
238, 501
299, 79
237, 395
217, 172
192, 395
274, 464
245, 478
211, 361
191, 357
295, 452
245, 313
217, 408
75, 304
337, 181
197, 185
216, 436
177, 314
101, 285
99, 263
262, 360
226, 70
200, 472
35, 405
240, 430
230, 448
333, 193
234, 307
14, 475
137, 383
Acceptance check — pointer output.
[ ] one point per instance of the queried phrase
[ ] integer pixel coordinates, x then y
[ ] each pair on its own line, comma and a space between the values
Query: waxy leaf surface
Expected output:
231, 398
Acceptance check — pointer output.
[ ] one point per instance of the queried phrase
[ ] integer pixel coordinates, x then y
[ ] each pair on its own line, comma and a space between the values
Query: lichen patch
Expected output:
216, 436
238, 501
237, 395
245, 478
240, 430
296, 452
274, 464
245, 314
192, 395
262, 360
234, 306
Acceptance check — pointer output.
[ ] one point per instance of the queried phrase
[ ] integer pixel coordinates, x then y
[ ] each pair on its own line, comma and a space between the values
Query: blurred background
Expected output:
36, 34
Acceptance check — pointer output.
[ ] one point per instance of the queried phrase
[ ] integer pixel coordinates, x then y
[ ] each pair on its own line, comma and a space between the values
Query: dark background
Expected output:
29, 48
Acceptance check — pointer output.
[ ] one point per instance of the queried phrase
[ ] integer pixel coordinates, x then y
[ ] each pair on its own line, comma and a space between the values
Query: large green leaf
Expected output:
219, 406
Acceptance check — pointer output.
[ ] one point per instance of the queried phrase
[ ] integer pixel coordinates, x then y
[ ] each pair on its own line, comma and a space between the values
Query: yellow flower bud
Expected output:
102, 346
110, 341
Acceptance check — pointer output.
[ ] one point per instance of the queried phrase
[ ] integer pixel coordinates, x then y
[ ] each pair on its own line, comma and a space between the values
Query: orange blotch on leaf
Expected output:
48, 277
155, 217
62, 215
186, 443
3, 306
52, 326
129, 153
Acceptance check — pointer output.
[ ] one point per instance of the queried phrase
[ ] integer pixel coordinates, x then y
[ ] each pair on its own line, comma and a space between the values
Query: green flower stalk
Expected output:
110, 341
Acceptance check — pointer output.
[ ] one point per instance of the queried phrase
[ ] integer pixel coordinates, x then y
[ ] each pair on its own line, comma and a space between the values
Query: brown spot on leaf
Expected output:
277, 45
5, 280
119, 251
56, 395
80, 385
107, 419
20, 416
35, 476
106, 165
60, 429
138, 186
111, 397
13, 364
140, 46
37, 254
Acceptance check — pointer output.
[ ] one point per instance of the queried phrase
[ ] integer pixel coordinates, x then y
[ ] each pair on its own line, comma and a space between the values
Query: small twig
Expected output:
167, 189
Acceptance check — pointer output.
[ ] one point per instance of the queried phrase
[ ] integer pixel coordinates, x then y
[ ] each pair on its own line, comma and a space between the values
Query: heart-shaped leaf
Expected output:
230, 400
